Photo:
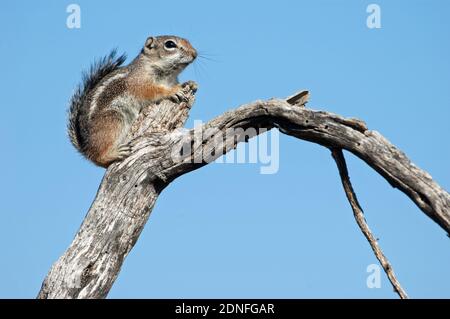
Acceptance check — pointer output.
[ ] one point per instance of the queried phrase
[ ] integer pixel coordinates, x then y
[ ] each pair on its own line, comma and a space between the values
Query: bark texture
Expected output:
164, 150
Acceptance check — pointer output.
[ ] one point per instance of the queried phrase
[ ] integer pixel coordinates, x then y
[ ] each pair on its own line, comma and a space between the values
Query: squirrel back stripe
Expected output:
90, 79
111, 87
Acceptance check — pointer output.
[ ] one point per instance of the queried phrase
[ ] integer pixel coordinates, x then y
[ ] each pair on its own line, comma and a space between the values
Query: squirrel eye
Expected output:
169, 44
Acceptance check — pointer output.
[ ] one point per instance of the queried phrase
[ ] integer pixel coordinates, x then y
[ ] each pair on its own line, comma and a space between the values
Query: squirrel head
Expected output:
168, 54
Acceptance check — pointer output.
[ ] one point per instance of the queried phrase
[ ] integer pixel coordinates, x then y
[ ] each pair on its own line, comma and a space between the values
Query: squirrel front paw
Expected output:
123, 151
183, 90
190, 86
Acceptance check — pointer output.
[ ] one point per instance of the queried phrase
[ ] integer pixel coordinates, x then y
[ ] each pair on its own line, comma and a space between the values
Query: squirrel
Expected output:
111, 96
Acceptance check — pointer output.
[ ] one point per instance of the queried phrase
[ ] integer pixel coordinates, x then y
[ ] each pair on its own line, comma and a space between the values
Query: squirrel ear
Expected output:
150, 43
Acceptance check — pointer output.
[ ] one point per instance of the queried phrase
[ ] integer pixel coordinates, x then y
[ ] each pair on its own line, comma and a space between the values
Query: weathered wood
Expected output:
358, 213
129, 189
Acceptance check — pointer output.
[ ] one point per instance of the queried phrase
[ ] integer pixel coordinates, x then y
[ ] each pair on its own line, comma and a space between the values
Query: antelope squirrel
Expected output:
110, 97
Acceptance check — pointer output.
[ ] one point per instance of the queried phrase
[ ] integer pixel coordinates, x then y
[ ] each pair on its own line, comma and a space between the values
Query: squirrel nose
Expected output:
194, 53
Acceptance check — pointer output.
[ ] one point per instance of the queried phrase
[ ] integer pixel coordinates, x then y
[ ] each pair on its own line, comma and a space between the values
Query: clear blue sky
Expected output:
289, 234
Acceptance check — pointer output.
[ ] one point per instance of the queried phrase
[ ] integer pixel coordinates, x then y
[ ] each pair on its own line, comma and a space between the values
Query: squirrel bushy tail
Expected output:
78, 108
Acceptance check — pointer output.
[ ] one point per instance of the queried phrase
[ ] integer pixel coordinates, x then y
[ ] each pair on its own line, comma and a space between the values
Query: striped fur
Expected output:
78, 108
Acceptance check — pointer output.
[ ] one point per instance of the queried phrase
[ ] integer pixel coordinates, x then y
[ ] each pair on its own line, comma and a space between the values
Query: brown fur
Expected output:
115, 89
151, 91
106, 129
187, 47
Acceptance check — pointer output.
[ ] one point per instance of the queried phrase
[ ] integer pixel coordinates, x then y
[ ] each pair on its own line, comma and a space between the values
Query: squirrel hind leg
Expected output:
113, 154
106, 143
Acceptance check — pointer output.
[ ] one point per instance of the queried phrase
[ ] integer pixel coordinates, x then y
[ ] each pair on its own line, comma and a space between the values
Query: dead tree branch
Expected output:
129, 189
361, 221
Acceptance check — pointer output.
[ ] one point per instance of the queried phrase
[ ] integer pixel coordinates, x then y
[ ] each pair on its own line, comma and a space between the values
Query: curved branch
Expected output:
163, 151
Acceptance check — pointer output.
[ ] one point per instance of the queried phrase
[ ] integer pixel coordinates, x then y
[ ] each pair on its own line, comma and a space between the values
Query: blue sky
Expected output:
226, 230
